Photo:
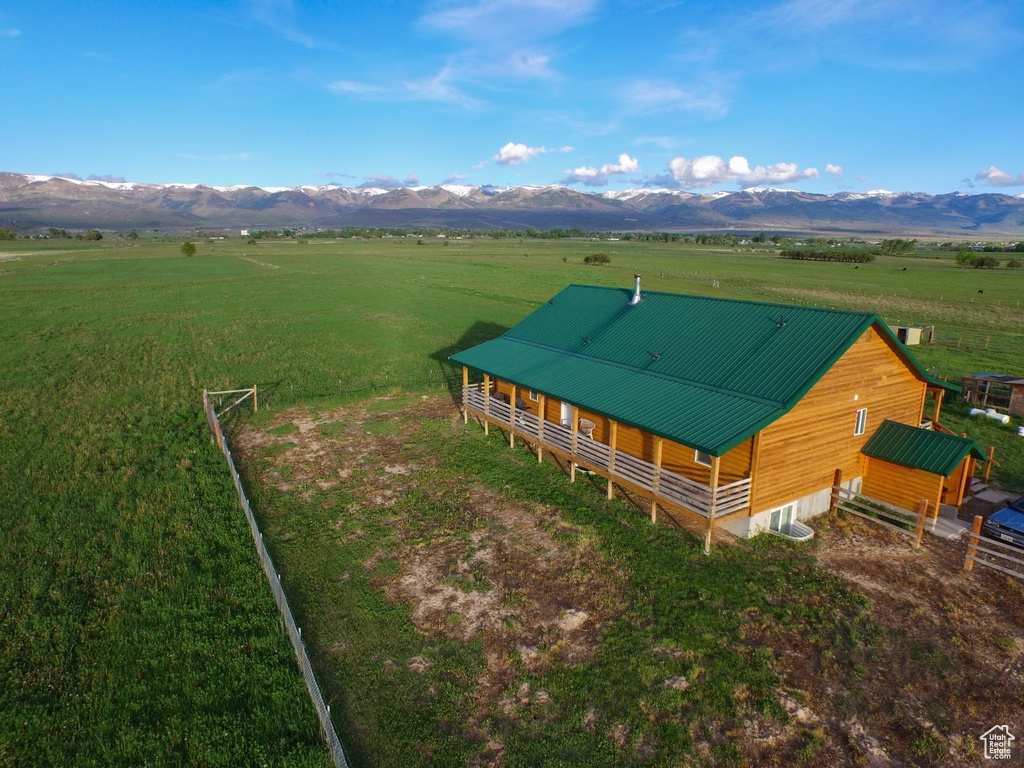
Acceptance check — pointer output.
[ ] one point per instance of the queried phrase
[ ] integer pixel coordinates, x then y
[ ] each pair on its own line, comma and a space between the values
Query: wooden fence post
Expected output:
972, 546
465, 394
837, 484
990, 451
922, 512
255, 404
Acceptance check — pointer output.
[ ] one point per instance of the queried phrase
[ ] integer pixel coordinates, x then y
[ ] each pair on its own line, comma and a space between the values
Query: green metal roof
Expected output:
935, 452
706, 372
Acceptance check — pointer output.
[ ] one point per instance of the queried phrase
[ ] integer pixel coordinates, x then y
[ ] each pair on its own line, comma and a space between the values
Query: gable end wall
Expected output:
800, 452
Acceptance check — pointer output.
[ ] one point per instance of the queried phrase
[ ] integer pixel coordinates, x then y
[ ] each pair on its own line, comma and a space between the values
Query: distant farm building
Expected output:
729, 413
994, 390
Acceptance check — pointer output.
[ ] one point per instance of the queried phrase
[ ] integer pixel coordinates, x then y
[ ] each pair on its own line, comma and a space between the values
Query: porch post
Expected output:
512, 418
465, 394
937, 396
613, 434
540, 427
572, 445
487, 402
990, 451
716, 463
656, 480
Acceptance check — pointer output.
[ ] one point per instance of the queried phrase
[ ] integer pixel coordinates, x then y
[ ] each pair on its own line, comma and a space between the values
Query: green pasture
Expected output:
135, 627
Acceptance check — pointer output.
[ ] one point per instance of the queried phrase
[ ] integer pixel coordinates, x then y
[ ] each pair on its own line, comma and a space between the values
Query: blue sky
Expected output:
819, 95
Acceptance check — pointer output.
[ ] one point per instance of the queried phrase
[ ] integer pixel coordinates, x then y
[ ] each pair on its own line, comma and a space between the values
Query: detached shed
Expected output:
905, 464
995, 390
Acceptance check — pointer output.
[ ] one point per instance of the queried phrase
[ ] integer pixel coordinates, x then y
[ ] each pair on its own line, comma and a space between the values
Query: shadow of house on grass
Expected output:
477, 333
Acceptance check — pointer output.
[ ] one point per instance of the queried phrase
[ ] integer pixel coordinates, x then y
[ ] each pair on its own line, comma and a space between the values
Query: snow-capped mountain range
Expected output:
33, 201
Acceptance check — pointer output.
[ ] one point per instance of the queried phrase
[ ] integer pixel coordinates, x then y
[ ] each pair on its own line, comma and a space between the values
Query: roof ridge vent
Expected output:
636, 292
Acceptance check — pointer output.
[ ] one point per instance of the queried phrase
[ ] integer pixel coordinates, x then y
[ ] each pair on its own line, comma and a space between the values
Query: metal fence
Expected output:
323, 710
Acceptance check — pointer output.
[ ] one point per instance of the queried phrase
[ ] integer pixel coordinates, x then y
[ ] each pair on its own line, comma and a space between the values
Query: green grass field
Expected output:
135, 627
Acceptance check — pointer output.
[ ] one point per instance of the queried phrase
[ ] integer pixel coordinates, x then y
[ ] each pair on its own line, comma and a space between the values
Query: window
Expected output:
782, 519
532, 395
862, 421
702, 458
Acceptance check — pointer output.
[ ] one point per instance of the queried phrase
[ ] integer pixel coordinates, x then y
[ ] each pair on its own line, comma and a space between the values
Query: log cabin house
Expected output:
739, 414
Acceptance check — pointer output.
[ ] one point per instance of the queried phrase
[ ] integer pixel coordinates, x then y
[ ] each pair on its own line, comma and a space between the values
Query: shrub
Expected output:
597, 258
986, 262
1013, 264
8, 234
188, 249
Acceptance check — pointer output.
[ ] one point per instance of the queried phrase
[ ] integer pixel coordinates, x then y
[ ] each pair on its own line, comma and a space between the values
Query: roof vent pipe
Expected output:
636, 292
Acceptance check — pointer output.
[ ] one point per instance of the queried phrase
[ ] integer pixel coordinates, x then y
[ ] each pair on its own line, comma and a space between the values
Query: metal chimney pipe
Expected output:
636, 292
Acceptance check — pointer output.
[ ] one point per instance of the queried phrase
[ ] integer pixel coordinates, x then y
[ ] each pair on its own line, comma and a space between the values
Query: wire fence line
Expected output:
323, 710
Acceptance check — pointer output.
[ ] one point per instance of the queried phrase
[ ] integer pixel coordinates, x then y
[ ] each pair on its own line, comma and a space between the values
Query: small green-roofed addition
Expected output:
703, 371
908, 446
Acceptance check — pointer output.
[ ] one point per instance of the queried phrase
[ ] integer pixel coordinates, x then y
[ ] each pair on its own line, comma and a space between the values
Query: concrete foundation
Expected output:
811, 505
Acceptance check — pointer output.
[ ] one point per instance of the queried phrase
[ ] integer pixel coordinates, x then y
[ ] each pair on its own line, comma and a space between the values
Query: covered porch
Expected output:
710, 505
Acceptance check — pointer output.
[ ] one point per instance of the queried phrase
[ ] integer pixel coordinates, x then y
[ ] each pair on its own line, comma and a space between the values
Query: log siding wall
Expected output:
800, 452
902, 486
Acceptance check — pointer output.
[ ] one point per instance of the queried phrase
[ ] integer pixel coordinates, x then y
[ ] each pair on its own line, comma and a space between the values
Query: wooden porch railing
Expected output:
628, 470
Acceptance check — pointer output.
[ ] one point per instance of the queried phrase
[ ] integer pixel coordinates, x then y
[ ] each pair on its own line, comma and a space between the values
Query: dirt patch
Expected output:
534, 590
941, 662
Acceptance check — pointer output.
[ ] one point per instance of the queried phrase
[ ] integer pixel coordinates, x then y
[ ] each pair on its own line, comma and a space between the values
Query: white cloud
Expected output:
507, 21
835, 170
455, 178
598, 177
924, 35
505, 39
709, 170
438, 88
995, 177
514, 154
356, 88
385, 181
649, 96
279, 17
10, 32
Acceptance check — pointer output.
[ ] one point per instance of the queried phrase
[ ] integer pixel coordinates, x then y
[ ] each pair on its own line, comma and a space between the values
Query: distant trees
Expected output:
57, 234
964, 258
898, 247
597, 258
985, 262
8, 234
92, 234
188, 249
856, 257
1013, 264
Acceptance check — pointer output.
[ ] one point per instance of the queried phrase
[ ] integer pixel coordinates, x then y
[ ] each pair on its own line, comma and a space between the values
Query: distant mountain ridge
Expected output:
30, 202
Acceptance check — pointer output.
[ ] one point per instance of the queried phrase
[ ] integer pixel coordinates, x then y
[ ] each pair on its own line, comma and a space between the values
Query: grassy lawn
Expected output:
135, 627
